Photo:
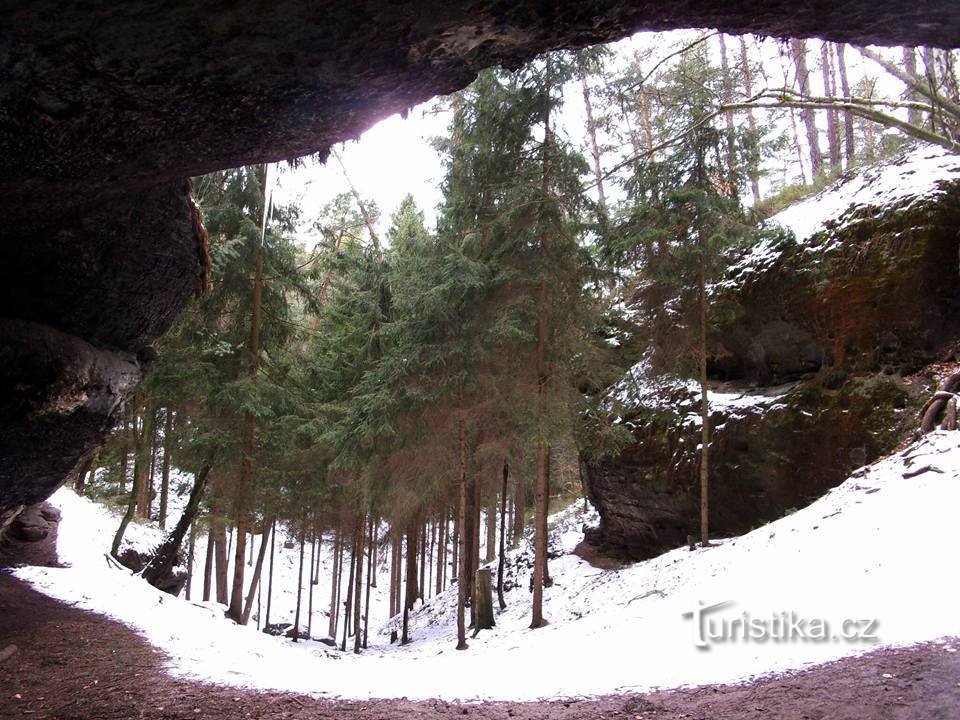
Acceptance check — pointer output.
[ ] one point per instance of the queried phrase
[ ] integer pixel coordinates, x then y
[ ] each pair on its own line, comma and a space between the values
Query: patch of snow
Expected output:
917, 176
876, 547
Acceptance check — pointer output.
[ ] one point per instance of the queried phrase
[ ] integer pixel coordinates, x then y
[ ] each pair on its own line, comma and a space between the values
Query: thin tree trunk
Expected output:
348, 607
127, 516
421, 588
704, 408
165, 468
491, 550
208, 568
141, 462
798, 49
257, 569
220, 552
459, 538
848, 145
303, 541
910, 66
165, 557
124, 453
503, 536
273, 554
246, 461
335, 580
190, 555
543, 448
358, 585
313, 557
833, 119
371, 578
594, 145
726, 82
751, 119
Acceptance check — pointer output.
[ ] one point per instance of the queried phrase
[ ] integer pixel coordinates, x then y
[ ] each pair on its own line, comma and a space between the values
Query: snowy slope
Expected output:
877, 547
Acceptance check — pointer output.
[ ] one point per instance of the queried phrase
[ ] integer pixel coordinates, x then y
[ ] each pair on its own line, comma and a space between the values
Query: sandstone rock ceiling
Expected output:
106, 107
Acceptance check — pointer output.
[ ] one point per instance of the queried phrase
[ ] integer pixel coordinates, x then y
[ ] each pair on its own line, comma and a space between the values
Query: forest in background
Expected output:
427, 393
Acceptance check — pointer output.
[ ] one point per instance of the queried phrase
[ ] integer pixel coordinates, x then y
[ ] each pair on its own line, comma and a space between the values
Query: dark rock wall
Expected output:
844, 326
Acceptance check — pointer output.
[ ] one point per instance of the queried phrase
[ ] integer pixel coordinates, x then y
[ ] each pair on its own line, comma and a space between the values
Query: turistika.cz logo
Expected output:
709, 628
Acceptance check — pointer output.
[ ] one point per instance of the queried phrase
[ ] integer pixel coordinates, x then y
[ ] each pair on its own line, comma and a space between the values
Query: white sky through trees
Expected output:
395, 156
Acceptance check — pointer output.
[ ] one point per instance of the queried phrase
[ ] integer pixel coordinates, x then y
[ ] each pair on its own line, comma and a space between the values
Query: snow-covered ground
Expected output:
875, 549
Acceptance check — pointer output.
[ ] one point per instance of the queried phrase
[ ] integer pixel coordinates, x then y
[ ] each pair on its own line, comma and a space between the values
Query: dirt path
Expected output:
75, 665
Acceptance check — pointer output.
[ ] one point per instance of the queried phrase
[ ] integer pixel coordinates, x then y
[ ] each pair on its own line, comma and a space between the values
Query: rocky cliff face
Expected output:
809, 376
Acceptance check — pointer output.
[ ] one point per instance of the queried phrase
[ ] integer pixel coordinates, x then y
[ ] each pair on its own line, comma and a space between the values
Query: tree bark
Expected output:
358, 585
833, 119
798, 49
483, 601
257, 569
704, 405
296, 616
348, 605
273, 540
594, 145
751, 118
459, 538
335, 580
165, 468
166, 556
849, 143
371, 579
208, 568
503, 536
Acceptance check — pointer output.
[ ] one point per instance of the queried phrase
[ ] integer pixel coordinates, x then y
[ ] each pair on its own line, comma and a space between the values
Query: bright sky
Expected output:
395, 157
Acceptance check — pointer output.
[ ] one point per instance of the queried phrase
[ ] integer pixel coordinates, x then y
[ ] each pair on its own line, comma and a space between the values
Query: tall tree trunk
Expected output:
313, 557
594, 145
191, 549
833, 119
220, 551
208, 568
704, 406
257, 569
130, 511
396, 539
165, 558
503, 536
371, 578
165, 468
543, 448
459, 537
141, 461
519, 510
335, 579
273, 540
348, 606
491, 549
914, 116
726, 82
358, 585
246, 462
751, 118
124, 453
848, 144
303, 542
798, 49
421, 588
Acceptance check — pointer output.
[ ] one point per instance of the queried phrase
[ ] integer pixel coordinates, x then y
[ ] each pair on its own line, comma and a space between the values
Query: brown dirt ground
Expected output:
76, 665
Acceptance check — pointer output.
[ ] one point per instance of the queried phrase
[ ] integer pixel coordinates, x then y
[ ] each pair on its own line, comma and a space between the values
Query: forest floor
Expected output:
72, 664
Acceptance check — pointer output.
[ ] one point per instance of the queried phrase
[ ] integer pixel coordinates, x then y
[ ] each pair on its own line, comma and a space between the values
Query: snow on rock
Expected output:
917, 176
875, 548
641, 387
